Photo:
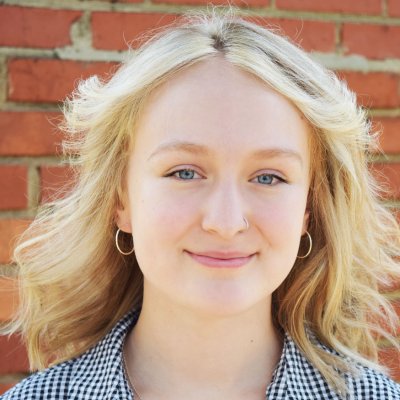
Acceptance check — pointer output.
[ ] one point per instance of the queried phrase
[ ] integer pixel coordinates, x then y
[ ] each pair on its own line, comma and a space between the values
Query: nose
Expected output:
223, 211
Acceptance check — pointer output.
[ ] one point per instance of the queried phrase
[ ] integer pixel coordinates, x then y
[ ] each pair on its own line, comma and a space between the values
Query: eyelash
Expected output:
171, 174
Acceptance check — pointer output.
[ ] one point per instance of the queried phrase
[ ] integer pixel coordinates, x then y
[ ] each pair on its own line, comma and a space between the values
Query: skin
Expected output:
207, 333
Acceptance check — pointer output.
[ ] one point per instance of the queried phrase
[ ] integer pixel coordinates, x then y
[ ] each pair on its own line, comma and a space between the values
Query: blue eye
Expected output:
269, 178
186, 173
183, 174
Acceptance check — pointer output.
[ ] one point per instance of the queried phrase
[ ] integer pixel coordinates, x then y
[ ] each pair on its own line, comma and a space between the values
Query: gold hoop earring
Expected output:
309, 250
119, 249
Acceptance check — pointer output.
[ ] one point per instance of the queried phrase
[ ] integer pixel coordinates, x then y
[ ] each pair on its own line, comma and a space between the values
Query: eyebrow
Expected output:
178, 145
199, 149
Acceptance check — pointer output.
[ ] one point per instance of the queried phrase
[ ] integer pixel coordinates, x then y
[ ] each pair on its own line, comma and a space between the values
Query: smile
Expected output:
213, 262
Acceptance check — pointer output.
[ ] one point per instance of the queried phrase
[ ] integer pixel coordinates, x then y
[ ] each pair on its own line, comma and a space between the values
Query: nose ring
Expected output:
247, 224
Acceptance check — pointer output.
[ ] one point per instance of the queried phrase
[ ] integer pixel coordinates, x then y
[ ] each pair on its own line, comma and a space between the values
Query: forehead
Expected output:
217, 104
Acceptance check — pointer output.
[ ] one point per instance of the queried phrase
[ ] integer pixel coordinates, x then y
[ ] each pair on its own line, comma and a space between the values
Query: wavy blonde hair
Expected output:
74, 284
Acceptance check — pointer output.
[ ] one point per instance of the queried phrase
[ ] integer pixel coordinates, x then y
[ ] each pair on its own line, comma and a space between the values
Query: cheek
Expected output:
281, 221
281, 225
160, 222
161, 216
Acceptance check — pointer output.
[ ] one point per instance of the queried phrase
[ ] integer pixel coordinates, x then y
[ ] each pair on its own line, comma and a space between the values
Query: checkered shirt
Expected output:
99, 374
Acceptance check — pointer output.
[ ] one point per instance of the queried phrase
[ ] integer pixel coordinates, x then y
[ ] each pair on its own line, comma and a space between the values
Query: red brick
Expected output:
48, 80
388, 175
390, 357
14, 358
29, 133
389, 139
310, 35
54, 179
10, 229
397, 215
8, 298
35, 27
339, 6
396, 306
13, 184
372, 41
115, 30
394, 8
394, 285
382, 320
374, 89
392, 288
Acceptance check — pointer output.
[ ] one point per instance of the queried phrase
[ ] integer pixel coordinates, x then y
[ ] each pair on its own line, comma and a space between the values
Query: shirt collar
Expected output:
100, 369
297, 378
293, 377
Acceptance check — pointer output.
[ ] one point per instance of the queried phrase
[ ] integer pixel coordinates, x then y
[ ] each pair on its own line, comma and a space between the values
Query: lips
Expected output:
222, 259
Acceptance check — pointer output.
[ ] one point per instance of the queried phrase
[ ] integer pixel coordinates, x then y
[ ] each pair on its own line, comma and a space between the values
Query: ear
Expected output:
123, 219
305, 221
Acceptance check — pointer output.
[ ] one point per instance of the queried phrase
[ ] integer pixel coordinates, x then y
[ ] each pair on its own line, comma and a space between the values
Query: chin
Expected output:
227, 305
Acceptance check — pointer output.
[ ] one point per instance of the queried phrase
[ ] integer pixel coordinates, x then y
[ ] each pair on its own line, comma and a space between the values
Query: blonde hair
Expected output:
75, 285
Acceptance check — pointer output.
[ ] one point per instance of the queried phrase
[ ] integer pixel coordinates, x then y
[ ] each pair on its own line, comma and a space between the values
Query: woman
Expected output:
224, 238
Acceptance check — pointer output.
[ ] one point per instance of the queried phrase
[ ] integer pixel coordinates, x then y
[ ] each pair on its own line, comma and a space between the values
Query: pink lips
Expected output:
222, 260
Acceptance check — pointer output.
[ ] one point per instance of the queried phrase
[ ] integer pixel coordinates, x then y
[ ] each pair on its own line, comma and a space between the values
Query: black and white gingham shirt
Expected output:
99, 374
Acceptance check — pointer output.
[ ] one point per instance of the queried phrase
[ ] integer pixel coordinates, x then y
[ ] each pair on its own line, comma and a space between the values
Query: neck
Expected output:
175, 349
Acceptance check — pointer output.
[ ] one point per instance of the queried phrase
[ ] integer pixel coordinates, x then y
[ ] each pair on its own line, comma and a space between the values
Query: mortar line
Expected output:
385, 8
392, 295
388, 113
384, 158
8, 270
17, 214
28, 107
394, 204
338, 38
32, 160
33, 187
10, 378
3, 80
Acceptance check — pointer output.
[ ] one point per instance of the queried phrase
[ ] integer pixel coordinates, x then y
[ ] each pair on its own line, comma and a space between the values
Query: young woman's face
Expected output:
216, 145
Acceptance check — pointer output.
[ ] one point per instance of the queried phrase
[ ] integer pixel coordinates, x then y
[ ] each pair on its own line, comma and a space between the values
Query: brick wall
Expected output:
46, 45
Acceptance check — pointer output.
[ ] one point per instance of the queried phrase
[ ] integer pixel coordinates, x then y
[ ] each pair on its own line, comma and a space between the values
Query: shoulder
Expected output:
367, 382
51, 383
372, 384
302, 380
97, 373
